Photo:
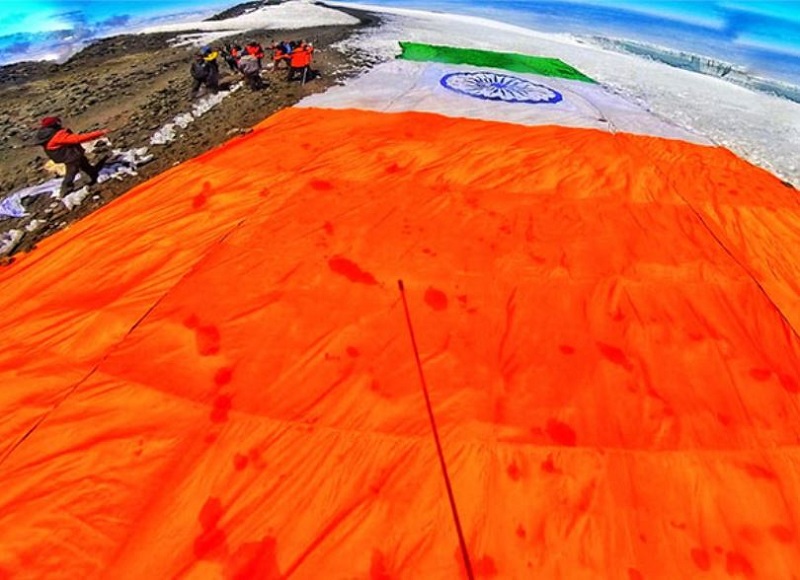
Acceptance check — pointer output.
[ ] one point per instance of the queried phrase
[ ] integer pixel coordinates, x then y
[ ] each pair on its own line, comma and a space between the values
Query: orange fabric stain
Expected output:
634, 574
736, 563
378, 569
436, 299
701, 559
758, 472
321, 184
351, 271
254, 560
239, 461
781, 533
223, 376
219, 413
548, 466
615, 355
208, 340
561, 433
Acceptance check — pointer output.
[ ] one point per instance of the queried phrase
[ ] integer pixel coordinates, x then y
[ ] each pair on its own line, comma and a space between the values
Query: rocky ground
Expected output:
133, 85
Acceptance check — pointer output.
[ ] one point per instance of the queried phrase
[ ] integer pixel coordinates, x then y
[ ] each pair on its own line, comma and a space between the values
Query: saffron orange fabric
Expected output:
212, 376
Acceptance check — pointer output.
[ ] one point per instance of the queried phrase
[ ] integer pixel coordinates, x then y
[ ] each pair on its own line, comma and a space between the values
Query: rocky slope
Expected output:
133, 85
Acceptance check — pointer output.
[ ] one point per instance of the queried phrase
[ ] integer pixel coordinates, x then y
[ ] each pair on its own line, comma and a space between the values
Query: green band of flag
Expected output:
522, 63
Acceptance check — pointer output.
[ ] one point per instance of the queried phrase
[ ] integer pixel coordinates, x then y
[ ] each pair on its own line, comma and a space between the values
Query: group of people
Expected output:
63, 146
294, 56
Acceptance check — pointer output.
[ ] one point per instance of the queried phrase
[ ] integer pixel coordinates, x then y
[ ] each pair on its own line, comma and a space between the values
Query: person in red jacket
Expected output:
255, 49
301, 61
63, 146
279, 55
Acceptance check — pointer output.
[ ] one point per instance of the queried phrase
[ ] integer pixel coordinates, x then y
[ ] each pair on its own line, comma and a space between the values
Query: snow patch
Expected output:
75, 198
34, 225
119, 165
8, 240
169, 132
290, 15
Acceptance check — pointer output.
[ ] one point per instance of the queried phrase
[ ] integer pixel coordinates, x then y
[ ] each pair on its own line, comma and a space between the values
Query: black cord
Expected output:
464, 552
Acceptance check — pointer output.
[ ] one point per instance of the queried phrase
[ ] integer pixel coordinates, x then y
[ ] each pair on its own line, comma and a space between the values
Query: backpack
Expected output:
249, 65
199, 71
64, 154
44, 135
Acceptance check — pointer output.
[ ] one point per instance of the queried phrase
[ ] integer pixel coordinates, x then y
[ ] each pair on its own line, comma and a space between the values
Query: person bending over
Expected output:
248, 65
300, 64
63, 146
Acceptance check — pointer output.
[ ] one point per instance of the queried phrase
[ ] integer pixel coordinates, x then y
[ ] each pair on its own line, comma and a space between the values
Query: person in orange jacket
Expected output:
63, 146
300, 61
279, 55
231, 56
255, 49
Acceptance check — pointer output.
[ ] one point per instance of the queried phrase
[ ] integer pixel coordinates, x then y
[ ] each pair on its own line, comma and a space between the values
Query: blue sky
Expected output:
759, 23
32, 16
757, 17
764, 37
754, 32
770, 24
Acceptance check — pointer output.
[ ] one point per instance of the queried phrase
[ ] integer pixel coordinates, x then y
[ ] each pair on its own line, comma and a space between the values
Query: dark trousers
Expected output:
83, 165
299, 71
196, 84
212, 84
253, 81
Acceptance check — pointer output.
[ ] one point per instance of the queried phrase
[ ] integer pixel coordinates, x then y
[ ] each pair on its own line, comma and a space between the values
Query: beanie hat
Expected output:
51, 121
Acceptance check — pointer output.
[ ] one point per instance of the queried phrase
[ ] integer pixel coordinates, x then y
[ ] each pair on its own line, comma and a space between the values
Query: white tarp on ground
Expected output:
401, 85
119, 164
171, 130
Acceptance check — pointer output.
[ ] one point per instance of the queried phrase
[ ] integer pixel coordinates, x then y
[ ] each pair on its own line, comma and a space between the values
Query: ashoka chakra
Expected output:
499, 87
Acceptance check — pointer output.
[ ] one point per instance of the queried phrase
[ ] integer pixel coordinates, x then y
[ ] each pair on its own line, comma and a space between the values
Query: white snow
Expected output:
9, 239
288, 15
75, 198
119, 164
169, 132
202, 39
34, 225
761, 128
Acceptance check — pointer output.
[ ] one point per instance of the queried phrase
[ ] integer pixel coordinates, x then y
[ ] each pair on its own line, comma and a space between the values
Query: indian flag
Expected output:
215, 377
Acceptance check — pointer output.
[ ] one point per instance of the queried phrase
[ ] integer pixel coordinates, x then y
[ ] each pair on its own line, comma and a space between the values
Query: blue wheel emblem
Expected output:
499, 87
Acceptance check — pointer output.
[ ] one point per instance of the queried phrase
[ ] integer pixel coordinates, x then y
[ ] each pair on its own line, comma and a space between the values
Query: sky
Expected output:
56, 29
761, 37
32, 16
753, 32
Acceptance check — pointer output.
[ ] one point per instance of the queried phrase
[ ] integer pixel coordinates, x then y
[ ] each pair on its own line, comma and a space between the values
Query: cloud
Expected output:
16, 48
116, 20
745, 27
77, 16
